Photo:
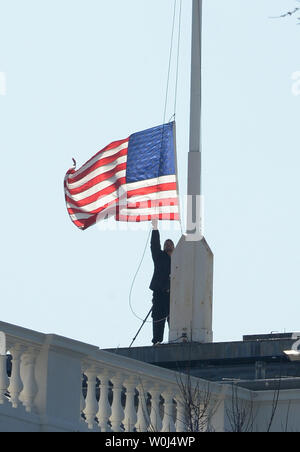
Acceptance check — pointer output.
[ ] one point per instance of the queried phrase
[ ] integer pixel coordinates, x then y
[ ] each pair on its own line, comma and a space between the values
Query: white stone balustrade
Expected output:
134, 396
44, 390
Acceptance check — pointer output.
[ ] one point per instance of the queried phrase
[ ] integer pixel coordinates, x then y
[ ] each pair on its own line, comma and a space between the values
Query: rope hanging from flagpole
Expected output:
173, 117
178, 58
170, 61
164, 121
135, 276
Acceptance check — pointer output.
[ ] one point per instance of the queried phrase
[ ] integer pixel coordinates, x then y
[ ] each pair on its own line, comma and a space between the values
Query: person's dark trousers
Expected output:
160, 313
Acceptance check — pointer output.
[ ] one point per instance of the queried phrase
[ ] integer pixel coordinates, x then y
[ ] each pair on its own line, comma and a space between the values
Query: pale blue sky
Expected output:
80, 74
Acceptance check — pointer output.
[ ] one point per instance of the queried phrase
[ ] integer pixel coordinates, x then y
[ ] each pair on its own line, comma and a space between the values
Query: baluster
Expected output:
3, 369
16, 384
104, 411
130, 410
143, 420
3, 379
155, 416
181, 418
91, 404
82, 399
168, 421
29, 391
117, 414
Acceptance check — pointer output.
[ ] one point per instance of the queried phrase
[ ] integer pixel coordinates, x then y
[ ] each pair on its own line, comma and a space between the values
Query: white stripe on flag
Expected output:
89, 208
150, 211
80, 216
122, 191
97, 172
99, 157
99, 187
151, 182
153, 196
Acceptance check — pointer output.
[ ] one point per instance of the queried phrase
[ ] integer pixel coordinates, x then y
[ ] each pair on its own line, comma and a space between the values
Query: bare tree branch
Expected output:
241, 416
288, 14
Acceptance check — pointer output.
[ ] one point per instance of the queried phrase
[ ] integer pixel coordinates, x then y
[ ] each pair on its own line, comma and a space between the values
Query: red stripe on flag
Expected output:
93, 198
104, 161
74, 211
84, 224
140, 218
153, 203
110, 147
101, 178
153, 189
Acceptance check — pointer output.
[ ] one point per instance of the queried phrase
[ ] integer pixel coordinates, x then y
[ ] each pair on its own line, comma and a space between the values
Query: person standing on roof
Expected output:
160, 284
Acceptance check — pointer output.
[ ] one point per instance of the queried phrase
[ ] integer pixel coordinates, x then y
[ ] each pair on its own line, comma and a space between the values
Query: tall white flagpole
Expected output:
194, 217
192, 261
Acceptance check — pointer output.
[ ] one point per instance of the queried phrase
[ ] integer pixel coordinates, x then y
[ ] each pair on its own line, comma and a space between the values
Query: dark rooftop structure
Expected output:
257, 363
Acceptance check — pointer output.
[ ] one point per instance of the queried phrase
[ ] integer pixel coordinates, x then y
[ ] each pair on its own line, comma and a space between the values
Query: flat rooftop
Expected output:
257, 362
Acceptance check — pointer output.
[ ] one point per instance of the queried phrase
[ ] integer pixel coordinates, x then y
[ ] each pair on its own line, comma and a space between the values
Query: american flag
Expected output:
132, 179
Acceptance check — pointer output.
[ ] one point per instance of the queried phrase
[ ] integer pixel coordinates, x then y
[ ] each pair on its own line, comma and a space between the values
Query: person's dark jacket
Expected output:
162, 265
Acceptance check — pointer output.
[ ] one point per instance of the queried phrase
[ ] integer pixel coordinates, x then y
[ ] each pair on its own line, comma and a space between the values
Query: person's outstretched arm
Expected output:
155, 241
